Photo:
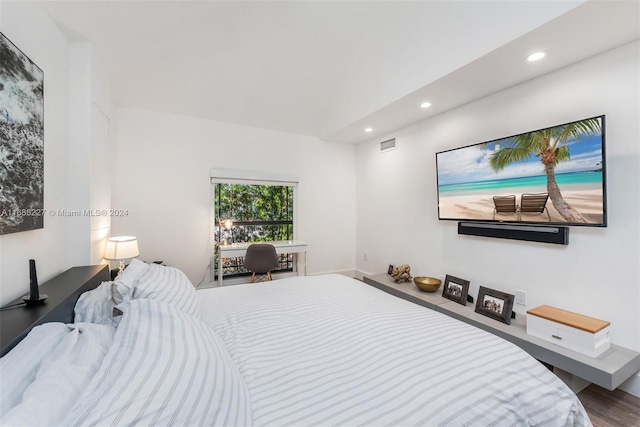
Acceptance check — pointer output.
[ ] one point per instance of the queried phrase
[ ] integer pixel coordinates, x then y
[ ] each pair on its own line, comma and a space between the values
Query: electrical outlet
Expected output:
521, 297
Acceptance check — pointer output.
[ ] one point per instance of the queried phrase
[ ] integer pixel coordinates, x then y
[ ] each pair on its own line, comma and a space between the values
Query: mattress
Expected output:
330, 350
313, 351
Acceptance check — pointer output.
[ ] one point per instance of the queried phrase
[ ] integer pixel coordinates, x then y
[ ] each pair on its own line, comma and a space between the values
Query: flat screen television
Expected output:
552, 176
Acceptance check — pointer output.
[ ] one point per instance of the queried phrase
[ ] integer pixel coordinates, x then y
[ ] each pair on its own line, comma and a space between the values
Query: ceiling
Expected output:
329, 69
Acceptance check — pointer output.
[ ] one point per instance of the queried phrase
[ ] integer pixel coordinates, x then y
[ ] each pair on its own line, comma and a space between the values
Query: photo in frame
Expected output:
455, 289
495, 304
22, 136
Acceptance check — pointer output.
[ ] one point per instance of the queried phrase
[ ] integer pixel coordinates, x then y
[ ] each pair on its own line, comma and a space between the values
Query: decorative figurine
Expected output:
402, 272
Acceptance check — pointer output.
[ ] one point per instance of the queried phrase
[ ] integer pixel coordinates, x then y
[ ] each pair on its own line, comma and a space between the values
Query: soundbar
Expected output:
530, 233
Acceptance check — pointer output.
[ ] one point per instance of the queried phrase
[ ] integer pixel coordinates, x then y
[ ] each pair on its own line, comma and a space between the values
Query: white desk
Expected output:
233, 250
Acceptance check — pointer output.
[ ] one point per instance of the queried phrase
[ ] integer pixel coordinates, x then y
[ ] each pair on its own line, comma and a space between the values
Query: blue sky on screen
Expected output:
471, 164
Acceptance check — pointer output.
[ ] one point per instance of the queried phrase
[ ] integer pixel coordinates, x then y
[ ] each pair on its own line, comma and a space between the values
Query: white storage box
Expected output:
583, 334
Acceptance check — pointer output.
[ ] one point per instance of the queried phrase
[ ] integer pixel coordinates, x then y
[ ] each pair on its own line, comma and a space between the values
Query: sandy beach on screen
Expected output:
480, 206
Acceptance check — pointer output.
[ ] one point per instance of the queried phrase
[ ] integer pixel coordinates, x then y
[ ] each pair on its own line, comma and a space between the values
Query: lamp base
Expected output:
27, 299
120, 268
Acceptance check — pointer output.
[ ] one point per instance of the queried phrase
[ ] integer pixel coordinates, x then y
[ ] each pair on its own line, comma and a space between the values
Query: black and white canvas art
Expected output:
22, 141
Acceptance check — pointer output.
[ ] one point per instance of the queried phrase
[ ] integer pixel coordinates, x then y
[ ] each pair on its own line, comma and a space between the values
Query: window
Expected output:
259, 210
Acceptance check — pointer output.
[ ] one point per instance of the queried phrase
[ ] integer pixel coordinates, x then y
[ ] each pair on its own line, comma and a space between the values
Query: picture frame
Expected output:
455, 289
22, 130
495, 304
390, 270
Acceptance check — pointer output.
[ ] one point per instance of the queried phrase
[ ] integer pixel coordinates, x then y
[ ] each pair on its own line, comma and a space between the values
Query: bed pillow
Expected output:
18, 368
165, 368
62, 376
122, 287
96, 306
169, 285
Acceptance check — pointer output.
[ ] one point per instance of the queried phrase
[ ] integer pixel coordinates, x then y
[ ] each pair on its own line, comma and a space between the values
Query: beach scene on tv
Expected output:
552, 175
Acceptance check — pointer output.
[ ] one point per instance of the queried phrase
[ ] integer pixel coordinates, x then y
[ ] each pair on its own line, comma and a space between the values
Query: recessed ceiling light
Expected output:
425, 105
536, 56
368, 130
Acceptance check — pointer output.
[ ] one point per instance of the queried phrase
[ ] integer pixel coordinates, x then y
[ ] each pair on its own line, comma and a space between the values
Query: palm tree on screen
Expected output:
550, 145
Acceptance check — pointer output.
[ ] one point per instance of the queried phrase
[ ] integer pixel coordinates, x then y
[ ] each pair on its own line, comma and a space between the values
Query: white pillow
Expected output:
165, 368
123, 285
96, 306
62, 377
18, 368
169, 285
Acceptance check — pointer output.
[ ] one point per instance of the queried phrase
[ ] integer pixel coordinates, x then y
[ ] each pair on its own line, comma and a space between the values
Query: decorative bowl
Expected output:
427, 284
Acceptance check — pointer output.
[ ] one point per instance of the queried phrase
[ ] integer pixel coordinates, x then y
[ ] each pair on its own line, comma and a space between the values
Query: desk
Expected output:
282, 247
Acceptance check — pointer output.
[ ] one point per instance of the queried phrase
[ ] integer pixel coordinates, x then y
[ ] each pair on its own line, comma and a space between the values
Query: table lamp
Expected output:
121, 248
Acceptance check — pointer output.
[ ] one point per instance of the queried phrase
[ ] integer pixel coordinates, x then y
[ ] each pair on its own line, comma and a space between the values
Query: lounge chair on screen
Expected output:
534, 204
505, 205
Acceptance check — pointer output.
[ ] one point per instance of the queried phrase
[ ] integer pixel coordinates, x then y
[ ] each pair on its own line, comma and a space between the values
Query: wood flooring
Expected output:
610, 408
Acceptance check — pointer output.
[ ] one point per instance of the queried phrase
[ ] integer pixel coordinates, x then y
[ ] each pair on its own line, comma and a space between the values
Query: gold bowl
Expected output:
427, 284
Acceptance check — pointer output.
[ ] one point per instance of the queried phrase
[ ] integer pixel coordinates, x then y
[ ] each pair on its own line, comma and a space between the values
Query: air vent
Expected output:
388, 145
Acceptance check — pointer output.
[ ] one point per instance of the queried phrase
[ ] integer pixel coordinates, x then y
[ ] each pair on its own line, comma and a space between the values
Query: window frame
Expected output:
246, 177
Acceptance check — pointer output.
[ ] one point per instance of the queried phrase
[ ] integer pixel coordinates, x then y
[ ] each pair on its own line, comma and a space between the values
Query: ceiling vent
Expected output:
388, 145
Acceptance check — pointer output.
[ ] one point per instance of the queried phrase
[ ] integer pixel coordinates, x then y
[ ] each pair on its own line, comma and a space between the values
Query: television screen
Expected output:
550, 176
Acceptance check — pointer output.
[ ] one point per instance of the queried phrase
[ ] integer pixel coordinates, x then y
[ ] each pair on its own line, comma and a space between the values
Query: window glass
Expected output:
252, 213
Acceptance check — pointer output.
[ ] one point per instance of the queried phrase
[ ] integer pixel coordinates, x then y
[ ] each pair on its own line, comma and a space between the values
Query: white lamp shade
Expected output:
122, 247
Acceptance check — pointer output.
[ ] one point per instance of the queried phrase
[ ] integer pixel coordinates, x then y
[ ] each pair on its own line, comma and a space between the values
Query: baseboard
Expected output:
632, 385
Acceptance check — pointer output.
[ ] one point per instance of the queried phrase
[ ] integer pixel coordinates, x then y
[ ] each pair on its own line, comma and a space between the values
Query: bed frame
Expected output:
63, 291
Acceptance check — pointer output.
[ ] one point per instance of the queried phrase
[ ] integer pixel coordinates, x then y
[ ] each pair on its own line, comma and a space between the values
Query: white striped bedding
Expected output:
19, 367
63, 375
165, 368
166, 284
332, 351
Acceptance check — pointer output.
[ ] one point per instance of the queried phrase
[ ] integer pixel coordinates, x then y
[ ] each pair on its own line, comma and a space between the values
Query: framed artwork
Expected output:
22, 136
390, 270
495, 304
455, 289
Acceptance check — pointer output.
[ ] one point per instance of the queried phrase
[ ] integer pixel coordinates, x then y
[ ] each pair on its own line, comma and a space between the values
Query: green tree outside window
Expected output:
259, 213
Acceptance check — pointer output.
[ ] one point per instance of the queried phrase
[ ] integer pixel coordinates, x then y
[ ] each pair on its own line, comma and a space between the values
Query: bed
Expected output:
317, 350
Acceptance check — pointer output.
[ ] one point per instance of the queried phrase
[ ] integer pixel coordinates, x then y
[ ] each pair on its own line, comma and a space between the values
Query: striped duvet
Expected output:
165, 368
332, 351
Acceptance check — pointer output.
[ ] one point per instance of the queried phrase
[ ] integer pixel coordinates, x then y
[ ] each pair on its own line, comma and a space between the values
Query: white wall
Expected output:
597, 274
48, 48
162, 178
64, 241
89, 160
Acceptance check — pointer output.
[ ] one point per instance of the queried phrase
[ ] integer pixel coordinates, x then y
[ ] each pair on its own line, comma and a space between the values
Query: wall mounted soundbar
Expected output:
530, 233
